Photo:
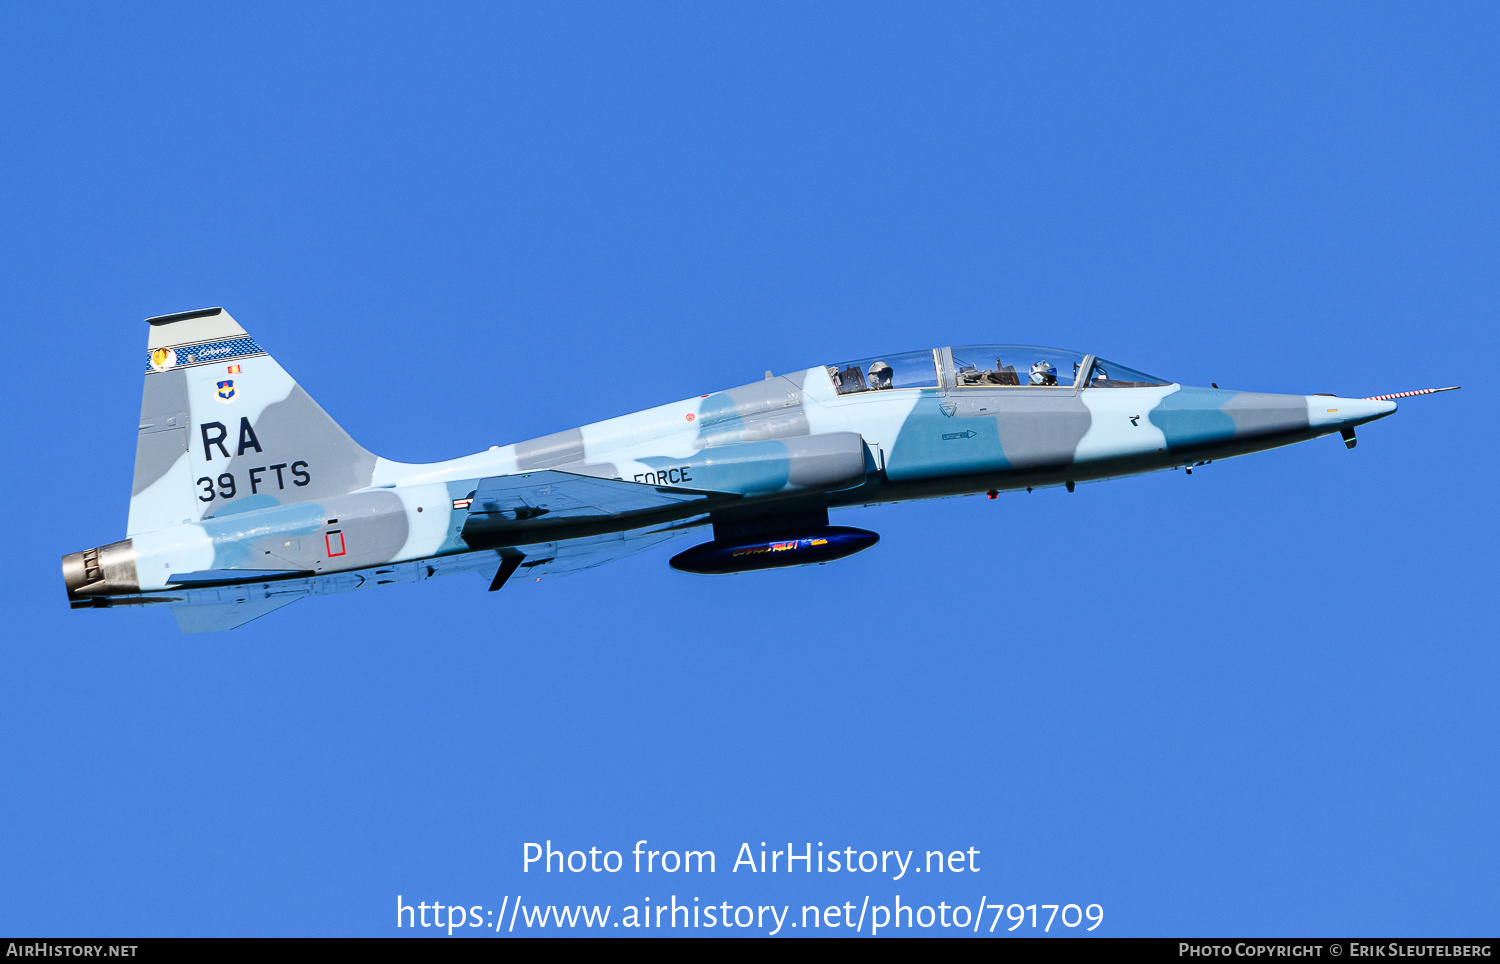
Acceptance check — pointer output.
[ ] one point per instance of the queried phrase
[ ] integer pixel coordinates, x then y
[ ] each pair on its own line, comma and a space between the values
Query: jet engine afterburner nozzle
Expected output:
105, 571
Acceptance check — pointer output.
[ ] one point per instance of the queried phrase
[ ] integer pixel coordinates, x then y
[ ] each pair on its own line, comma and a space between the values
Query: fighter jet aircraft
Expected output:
247, 496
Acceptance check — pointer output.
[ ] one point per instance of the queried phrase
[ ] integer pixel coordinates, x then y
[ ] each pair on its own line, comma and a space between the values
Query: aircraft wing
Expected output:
576, 555
212, 605
550, 497
220, 599
227, 577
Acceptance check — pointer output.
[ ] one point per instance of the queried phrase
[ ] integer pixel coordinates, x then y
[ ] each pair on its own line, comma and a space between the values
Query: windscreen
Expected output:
1107, 374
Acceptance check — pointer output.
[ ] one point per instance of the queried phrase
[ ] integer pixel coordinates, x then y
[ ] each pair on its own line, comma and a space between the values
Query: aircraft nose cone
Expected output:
1363, 410
1350, 411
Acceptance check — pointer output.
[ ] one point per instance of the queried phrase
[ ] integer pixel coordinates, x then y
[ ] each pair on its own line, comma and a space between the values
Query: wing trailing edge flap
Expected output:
505, 500
218, 617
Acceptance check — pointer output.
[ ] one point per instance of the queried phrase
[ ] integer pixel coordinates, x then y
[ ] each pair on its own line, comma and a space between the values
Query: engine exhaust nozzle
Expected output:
105, 571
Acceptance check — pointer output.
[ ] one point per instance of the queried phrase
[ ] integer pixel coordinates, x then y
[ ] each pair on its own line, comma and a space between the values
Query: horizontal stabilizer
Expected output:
217, 617
228, 577
554, 496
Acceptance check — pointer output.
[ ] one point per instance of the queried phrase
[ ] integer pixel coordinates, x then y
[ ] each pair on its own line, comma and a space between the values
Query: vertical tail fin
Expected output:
225, 429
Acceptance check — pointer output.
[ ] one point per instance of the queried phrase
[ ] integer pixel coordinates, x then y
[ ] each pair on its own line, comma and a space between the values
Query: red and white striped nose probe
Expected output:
1420, 391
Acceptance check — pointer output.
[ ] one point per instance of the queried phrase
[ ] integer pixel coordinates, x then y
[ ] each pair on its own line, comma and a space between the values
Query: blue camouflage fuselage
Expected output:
248, 496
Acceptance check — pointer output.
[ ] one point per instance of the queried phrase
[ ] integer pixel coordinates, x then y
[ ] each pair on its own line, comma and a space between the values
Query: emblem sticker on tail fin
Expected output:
226, 390
187, 356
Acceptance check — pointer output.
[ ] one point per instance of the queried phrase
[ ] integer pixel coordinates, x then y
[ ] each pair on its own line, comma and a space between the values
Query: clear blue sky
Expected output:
1260, 700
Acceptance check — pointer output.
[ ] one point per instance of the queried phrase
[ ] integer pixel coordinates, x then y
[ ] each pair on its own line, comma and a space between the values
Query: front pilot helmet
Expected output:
880, 372
1041, 371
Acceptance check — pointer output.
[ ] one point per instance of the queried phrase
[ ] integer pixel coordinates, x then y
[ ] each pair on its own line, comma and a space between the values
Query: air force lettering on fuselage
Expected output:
247, 496
225, 485
674, 476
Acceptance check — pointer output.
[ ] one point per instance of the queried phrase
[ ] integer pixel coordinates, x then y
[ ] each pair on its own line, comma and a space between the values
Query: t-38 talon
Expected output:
247, 496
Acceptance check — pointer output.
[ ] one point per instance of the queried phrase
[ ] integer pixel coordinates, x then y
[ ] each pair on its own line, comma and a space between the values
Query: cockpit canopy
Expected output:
913, 369
986, 367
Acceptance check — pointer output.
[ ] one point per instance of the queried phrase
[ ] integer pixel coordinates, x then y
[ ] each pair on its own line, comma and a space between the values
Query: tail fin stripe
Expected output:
206, 353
